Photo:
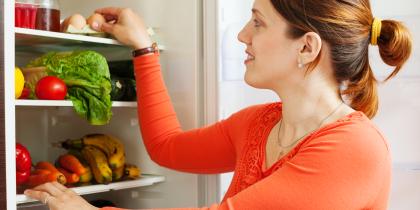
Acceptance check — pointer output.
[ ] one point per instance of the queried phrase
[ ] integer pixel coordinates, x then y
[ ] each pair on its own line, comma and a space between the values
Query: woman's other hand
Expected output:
58, 197
125, 25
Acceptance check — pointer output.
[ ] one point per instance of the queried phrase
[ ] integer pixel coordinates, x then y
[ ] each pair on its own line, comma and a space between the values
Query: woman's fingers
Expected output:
110, 18
38, 195
66, 200
59, 186
110, 11
41, 196
106, 27
49, 188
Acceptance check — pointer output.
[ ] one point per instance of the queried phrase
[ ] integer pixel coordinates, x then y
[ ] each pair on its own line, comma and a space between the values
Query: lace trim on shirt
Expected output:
250, 172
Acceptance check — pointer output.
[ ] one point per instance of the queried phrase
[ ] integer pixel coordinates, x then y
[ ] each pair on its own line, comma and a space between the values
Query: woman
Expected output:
313, 150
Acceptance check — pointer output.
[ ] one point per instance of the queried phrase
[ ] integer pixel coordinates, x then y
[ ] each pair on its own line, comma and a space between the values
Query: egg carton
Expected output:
87, 30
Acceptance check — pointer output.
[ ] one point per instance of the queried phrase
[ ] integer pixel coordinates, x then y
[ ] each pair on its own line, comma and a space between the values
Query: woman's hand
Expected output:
125, 25
58, 197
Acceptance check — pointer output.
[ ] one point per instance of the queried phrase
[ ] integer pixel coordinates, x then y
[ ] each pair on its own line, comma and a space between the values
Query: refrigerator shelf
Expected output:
145, 180
32, 37
67, 103
38, 41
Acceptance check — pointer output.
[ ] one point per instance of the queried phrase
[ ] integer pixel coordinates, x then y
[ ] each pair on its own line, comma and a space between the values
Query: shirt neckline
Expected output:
266, 171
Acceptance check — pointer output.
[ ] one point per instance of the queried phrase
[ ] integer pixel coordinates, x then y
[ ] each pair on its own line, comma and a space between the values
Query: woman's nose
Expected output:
243, 35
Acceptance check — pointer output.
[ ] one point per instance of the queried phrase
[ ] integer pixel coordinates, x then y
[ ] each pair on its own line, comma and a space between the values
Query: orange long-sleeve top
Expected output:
343, 165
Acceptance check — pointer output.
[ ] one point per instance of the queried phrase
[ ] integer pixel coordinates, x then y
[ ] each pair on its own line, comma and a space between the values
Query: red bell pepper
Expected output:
26, 92
23, 164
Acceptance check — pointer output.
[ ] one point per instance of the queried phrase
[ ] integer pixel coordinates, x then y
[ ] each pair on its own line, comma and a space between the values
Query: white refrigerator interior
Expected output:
178, 27
399, 113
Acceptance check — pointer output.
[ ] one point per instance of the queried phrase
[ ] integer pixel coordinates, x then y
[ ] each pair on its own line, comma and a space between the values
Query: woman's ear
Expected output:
311, 47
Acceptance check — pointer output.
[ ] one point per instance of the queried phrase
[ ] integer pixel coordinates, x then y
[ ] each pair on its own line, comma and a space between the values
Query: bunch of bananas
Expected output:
105, 155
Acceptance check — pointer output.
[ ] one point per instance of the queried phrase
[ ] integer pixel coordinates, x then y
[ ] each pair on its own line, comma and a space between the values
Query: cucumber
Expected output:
130, 90
117, 88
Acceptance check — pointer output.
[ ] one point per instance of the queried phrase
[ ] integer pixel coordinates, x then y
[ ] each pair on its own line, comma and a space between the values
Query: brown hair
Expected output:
346, 26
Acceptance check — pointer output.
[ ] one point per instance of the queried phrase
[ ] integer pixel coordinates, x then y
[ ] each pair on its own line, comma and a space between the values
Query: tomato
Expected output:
51, 88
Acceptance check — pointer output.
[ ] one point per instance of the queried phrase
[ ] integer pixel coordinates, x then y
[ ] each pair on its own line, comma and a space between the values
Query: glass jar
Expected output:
25, 13
47, 15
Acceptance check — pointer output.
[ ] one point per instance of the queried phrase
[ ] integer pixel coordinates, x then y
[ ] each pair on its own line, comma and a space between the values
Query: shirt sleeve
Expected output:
340, 169
205, 150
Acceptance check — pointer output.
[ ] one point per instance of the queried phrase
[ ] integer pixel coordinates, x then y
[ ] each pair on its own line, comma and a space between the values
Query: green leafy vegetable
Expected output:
87, 78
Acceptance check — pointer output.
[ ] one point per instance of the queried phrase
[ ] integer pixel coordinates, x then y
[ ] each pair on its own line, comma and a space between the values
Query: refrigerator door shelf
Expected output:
145, 180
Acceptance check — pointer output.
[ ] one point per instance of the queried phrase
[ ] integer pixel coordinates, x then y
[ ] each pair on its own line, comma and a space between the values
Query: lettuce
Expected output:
88, 81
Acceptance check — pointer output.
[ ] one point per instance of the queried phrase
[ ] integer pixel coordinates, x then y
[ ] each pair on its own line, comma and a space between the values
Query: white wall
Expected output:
399, 110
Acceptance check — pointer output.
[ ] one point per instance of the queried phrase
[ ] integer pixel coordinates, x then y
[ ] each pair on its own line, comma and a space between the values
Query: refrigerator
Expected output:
399, 110
202, 65
188, 66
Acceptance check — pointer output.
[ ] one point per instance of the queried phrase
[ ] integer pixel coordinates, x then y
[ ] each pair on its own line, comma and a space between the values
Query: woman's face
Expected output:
272, 55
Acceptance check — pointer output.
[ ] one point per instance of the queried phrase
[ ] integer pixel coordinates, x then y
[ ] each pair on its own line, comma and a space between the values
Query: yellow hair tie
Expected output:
376, 31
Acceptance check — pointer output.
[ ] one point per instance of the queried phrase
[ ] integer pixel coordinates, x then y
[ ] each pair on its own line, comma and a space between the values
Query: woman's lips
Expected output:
249, 58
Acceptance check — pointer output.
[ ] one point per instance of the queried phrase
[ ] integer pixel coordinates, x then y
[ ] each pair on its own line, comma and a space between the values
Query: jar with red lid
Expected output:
47, 15
25, 13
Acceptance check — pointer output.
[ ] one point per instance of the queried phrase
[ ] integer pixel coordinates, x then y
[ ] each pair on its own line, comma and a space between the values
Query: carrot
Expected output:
72, 164
70, 177
58, 176
40, 172
46, 166
38, 179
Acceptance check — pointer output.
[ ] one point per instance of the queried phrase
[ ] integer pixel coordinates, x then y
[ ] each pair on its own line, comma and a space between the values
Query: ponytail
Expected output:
394, 45
363, 92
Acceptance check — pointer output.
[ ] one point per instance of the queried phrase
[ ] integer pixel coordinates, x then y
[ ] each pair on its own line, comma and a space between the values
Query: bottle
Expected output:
47, 15
25, 13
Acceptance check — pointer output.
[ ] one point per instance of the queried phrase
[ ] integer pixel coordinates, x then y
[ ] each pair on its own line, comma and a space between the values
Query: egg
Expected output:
76, 20
96, 18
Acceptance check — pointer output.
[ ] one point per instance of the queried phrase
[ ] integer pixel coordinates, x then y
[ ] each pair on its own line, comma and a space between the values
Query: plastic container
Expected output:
25, 13
47, 15
34, 74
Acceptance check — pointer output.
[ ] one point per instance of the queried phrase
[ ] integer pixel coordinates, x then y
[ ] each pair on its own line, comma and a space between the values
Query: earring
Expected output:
300, 63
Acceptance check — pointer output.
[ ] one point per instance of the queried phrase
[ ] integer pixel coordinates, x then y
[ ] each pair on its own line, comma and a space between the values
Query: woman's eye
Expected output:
256, 23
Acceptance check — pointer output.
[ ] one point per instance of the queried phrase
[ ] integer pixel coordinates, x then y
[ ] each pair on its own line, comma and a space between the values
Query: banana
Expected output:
98, 164
117, 173
111, 146
131, 171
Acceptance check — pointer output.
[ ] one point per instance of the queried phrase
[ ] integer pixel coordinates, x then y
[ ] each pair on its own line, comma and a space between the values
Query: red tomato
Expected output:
51, 88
